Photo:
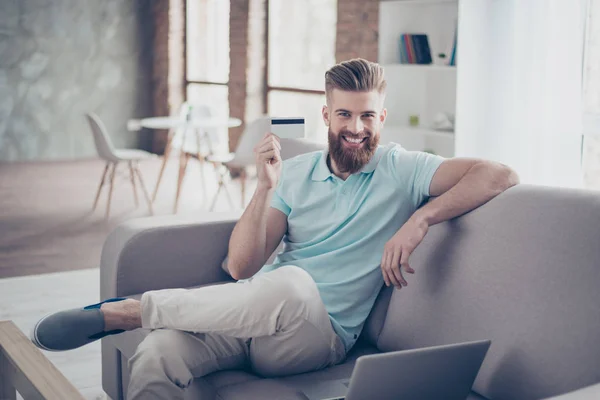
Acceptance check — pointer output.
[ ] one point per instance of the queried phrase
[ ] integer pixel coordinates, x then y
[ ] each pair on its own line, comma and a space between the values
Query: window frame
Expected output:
187, 81
267, 87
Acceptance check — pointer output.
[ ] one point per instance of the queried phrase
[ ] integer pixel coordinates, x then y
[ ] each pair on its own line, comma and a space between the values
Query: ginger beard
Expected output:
347, 158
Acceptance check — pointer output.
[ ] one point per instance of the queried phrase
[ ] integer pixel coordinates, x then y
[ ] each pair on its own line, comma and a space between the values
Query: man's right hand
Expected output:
268, 161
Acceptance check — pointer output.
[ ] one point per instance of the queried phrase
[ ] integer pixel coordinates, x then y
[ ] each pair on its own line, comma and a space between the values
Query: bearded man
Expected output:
349, 216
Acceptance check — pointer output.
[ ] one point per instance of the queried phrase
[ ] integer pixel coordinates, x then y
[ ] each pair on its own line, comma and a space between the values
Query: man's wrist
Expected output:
263, 189
422, 217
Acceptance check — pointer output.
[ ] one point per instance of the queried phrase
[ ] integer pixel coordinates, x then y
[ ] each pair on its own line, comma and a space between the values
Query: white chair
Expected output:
113, 157
241, 159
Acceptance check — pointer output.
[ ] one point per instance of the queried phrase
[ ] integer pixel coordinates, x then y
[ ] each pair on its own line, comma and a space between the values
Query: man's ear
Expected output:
325, 113
383, 116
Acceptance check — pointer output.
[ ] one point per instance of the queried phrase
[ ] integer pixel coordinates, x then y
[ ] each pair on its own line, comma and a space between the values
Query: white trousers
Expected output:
274, 323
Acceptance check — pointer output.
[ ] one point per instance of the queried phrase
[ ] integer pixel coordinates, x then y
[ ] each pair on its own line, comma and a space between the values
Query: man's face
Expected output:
354, 120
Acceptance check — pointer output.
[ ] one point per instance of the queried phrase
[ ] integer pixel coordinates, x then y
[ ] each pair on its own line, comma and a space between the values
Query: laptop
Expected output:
441, 372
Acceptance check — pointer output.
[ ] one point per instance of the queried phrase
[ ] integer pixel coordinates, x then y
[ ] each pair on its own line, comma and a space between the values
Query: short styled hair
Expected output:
356, 75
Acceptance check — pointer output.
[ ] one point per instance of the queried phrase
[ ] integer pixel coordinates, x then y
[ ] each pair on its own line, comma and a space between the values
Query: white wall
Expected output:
519, 86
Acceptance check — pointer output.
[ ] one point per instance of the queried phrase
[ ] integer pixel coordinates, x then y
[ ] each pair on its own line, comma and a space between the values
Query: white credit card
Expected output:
288, 128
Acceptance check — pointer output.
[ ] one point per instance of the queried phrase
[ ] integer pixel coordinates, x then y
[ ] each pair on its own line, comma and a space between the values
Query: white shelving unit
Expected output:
413, 89
419, 138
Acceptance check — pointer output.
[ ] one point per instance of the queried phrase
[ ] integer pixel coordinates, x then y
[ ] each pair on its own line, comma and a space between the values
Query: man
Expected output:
349, 216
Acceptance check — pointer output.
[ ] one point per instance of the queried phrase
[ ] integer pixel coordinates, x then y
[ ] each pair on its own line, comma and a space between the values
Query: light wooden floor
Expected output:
26, 299
46, 223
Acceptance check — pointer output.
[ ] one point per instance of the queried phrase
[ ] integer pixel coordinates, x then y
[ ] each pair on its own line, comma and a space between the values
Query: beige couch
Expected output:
522, 270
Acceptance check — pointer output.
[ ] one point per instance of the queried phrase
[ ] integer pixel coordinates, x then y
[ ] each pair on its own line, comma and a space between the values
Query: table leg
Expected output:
164, 163
7, 375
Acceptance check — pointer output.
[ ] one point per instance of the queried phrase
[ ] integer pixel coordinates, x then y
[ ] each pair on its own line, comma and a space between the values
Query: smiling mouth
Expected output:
354, 140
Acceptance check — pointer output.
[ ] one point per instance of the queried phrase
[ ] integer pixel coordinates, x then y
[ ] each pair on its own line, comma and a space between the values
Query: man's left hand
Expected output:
399, 248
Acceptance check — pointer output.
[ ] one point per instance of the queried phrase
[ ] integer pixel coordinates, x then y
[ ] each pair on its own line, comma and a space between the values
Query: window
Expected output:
207, 57
591, 99
300, 48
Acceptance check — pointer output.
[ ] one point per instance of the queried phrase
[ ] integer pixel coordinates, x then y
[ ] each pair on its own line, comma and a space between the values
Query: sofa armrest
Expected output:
586, 393
165, 252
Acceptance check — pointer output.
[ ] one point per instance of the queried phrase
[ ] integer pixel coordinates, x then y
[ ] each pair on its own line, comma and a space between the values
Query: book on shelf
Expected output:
414, 49
453, 56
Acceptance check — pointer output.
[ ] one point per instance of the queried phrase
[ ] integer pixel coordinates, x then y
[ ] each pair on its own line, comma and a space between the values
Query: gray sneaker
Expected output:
70, 329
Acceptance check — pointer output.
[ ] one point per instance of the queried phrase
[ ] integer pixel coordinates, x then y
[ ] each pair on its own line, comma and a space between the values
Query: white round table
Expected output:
176, 122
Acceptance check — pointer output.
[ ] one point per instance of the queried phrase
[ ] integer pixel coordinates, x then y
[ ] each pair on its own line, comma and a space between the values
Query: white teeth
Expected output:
353, 140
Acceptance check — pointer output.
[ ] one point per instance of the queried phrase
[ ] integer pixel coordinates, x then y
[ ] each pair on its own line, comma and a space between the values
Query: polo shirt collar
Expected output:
322, 172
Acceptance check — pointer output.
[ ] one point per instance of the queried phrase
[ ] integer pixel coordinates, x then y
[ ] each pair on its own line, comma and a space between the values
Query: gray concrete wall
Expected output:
62, 58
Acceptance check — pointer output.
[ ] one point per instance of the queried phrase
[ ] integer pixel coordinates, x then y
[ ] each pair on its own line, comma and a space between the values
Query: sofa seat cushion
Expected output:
239, 384
289, 387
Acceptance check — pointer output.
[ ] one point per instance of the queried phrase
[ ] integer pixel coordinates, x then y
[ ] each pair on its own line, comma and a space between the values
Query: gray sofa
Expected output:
523, 270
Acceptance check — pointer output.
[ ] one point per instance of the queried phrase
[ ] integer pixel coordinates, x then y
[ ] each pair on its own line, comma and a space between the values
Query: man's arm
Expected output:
256, 236
260, 229
459, 185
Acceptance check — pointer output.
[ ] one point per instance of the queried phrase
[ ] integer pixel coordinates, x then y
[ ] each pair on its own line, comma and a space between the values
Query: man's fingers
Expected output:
386, 278
382, 266
271, 136
266, 148
394, 262
267, 144
395, 267
391, 270
270, 155
404, 262
277, 139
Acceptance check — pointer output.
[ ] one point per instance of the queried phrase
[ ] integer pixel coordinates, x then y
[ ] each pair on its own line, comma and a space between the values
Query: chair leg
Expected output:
203, 179
228, 194
222, 172
164, 163
101, 186
243, 185
144, 190
202, 161
110, 190
214, 202
183, 161
132, 178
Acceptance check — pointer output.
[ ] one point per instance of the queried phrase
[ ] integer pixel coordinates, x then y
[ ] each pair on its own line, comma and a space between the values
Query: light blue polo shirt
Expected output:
337, 229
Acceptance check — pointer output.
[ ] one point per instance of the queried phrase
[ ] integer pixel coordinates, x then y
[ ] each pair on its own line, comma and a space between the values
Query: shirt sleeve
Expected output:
415, 170
277, 200
278, 203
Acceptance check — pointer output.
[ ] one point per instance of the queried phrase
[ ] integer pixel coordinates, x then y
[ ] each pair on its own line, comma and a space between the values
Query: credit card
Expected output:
288, 128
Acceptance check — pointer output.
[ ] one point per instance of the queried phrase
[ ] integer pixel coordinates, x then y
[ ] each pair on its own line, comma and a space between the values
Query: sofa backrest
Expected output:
522, 270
